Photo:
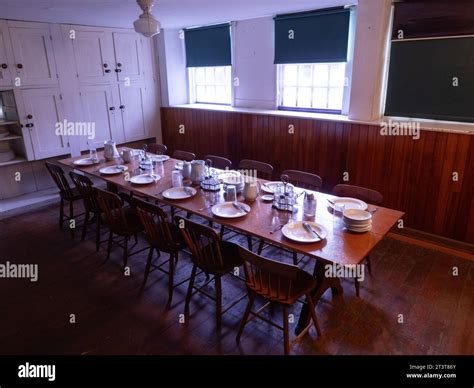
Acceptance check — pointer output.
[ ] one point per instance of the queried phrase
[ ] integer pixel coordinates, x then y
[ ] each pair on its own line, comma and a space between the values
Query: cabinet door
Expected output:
128, 56
100, 110
132, 100
33, 53
93, 54
6, 59
41, 113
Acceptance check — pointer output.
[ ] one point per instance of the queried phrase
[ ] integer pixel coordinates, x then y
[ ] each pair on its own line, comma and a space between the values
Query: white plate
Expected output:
357, 216
349, 203
178, 193
85, 162
359, 229
227, 210
113, 170
144, 179
270, 187
159, 158
267, 197
295, 231
230, 177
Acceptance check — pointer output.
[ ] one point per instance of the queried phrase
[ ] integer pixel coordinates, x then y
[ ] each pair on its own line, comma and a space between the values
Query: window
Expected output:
210, 84
318, 86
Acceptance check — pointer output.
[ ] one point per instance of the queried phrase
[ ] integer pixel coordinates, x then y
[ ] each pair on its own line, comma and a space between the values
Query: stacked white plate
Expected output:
357, 220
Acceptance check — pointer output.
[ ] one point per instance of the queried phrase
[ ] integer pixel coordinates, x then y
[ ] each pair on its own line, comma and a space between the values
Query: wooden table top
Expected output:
340, 246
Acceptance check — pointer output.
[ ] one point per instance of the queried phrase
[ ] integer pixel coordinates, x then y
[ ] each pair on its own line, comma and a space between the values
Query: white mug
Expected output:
127, 155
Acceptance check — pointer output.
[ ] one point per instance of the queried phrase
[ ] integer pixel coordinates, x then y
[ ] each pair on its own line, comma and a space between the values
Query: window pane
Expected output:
304, 75
321, 75
289, 96
209, 75
290, 74
200, 75
335, 98
320, 98
201, 93
304, 97
220, 75
211, 93
221, 94
337, 75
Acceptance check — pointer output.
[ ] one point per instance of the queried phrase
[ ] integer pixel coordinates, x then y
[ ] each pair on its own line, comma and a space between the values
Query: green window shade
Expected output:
312, 37
432, 79
208, 46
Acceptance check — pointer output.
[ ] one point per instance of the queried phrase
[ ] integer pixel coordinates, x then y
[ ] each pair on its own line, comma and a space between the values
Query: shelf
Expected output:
8, 122
17, 159
11, 137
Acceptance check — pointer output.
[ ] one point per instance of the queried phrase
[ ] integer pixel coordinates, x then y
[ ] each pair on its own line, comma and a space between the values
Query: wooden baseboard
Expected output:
431, 241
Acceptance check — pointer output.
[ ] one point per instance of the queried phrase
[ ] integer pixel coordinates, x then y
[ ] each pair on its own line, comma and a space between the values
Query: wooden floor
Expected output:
111, 317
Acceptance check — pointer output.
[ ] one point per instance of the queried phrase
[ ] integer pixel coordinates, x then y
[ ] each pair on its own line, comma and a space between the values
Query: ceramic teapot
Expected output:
251, 190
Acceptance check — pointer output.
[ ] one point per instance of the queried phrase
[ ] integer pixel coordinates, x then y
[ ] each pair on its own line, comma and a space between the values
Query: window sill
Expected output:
427, 125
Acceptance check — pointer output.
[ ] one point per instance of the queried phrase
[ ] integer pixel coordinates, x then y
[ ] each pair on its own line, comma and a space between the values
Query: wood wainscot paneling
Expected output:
415, 176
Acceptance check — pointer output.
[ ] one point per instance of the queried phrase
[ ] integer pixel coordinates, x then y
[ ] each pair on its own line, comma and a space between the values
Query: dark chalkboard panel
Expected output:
421, 77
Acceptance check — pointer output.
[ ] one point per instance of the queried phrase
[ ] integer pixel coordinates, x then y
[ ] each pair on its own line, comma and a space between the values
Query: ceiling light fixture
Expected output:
146, 24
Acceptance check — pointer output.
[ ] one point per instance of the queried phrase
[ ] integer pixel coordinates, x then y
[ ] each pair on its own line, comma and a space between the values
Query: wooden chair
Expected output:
184, 155
278, 283
212, 256
157, 149
120, 221
162, 237
86, 188
66, 193
367, 195
219, 162
264, 170
305, 180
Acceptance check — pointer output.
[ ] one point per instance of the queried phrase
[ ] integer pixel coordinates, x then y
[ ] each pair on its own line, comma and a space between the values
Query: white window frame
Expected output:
192, 86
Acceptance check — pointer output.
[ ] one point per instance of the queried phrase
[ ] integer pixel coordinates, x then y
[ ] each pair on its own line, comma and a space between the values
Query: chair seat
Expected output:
173, 246
133, 223
76, 195
299, 287
230, 259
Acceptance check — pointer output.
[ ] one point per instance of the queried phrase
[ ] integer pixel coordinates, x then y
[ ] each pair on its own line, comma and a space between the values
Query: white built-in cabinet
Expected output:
79, 74
33, 55
40, 110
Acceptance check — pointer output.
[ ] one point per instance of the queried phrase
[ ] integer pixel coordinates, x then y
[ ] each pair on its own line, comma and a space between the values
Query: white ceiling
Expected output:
171, 13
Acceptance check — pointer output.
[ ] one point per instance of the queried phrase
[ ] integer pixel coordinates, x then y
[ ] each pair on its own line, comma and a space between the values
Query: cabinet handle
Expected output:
119, 64
108, 71
4, 65
112, 108
19, 65
106, 66
118, 70
122, 107
29, 117
29, 125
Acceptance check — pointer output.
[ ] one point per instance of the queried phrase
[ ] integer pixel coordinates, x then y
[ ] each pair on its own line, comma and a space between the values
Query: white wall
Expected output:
253, 56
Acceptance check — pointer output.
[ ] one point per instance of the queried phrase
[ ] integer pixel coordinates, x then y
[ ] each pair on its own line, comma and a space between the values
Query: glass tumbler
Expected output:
231, 193
176, 179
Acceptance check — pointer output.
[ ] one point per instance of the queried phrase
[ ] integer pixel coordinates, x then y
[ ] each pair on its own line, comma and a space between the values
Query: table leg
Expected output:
323, 283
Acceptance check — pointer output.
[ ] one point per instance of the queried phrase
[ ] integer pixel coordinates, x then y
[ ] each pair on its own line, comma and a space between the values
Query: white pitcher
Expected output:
251, 190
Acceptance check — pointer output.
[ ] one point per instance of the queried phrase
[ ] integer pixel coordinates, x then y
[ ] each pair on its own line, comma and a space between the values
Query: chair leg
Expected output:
97, 232
84, 227
190, 289
246, 316
260, 247
147, 268
249, 242
222, 232
135, 236
173, 257
217, 280
295, 258
356, 284
125, 251
286, 331
61, 214
109, 245
312, 310
369, 264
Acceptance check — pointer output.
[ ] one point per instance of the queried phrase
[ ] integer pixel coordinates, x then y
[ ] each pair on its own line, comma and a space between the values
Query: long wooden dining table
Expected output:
341, 246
